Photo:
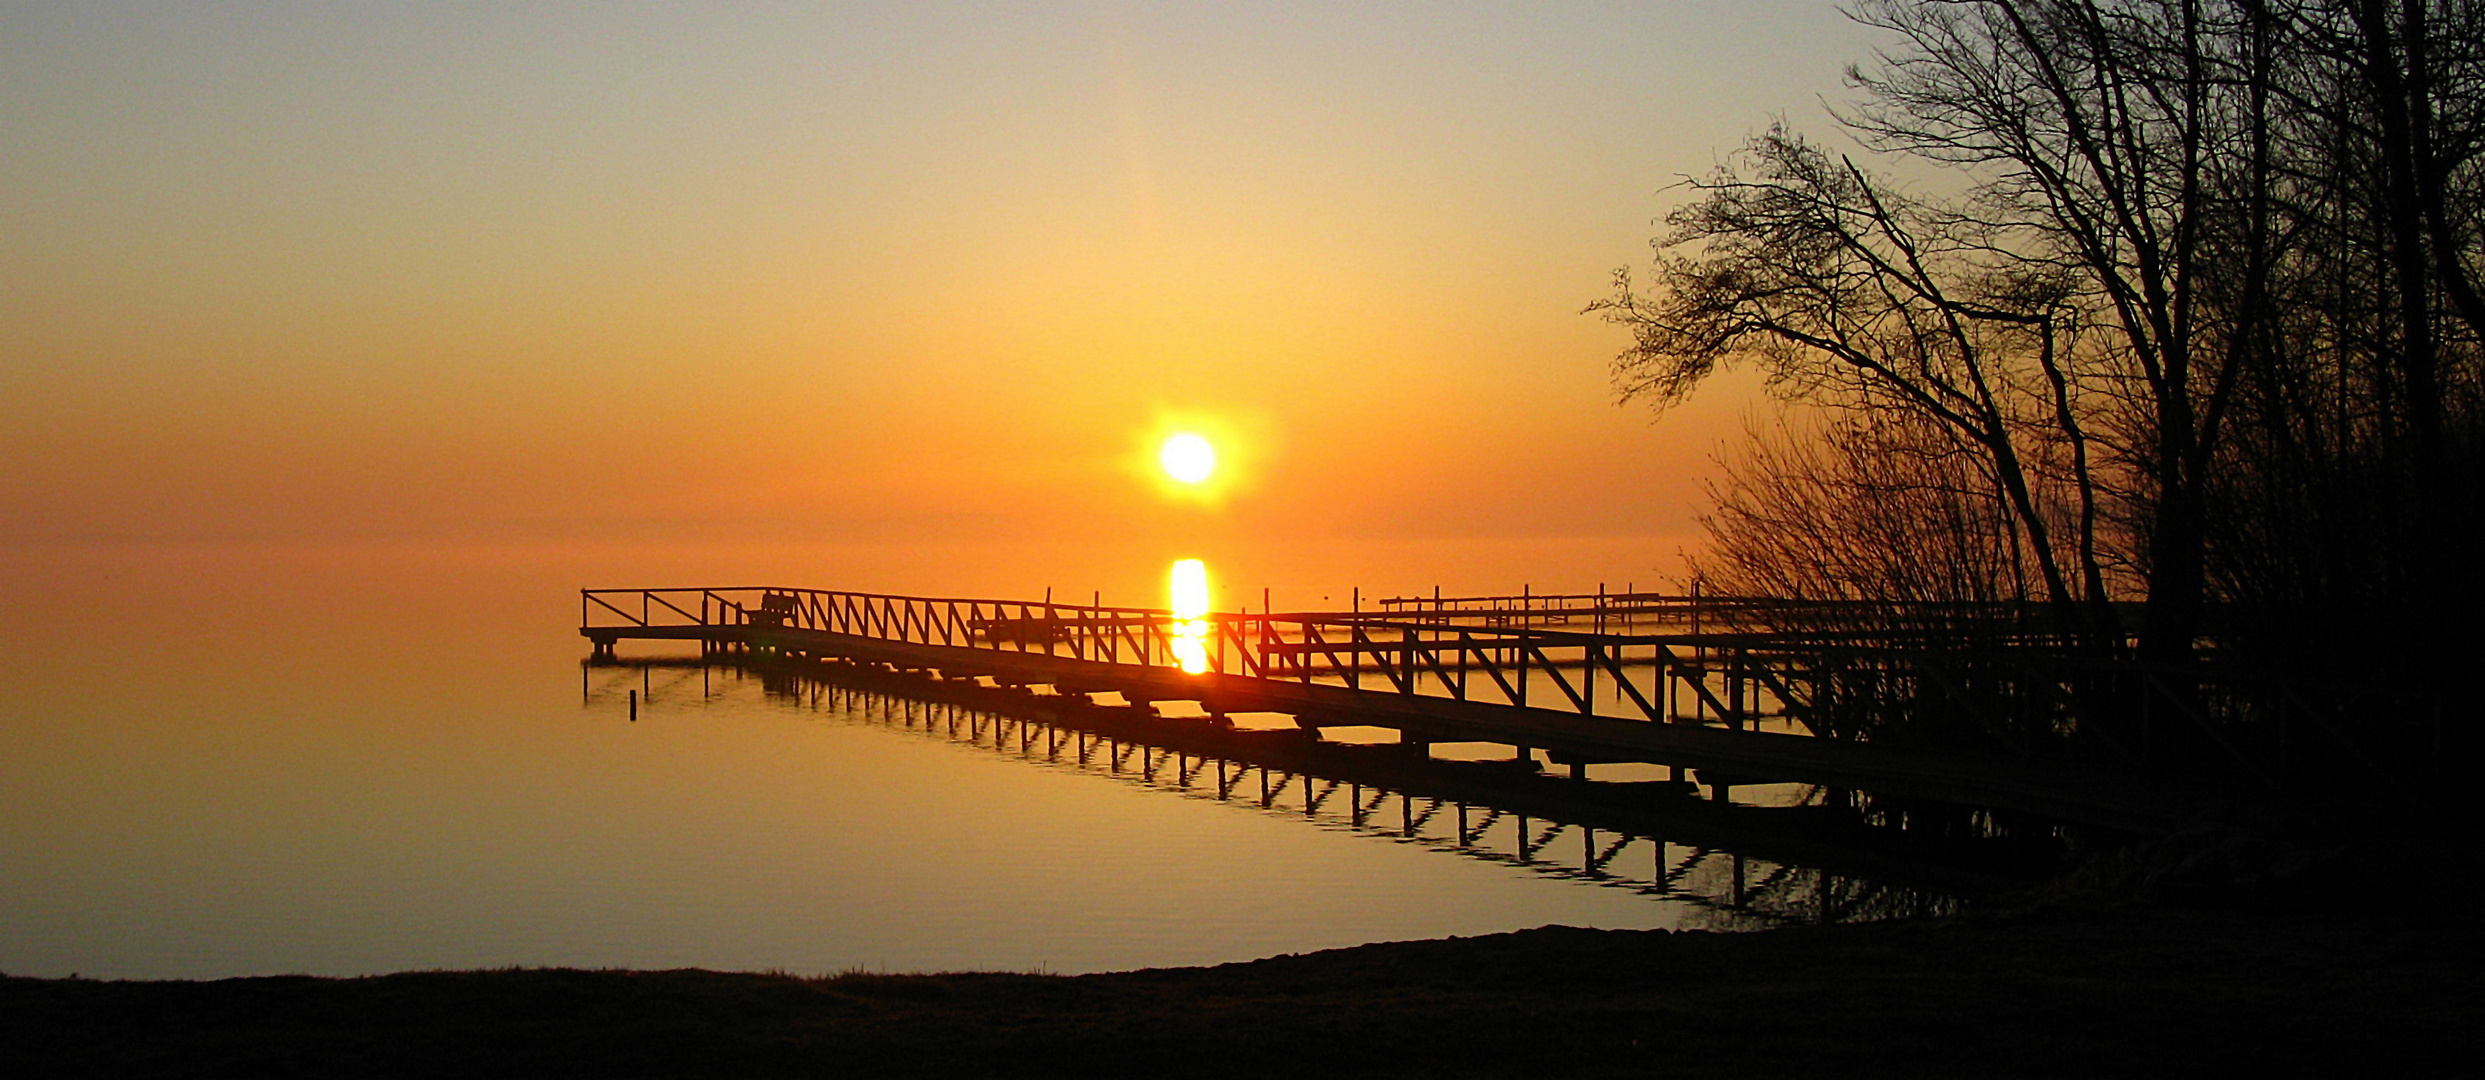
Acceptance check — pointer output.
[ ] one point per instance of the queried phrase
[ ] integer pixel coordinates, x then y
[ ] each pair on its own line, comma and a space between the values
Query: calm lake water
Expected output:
354, 761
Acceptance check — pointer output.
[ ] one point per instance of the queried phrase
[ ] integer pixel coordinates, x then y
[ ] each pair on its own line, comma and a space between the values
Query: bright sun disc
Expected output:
1188, 458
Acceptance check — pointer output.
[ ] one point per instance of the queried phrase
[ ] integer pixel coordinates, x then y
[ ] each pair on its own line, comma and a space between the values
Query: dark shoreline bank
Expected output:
2029, 993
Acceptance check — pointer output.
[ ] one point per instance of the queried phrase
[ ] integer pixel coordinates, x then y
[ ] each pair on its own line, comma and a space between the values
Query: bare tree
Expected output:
1876, 510
2200, 323
2350, 493
1854, 295
2119, 155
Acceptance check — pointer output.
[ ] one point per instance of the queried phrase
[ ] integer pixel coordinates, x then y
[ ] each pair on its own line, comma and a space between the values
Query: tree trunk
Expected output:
2177, 574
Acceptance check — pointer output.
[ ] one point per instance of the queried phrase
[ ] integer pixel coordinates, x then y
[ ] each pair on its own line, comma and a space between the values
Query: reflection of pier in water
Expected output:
1738, 865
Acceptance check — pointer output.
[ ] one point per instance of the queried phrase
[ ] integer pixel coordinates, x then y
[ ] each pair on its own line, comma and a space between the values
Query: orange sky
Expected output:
918, 279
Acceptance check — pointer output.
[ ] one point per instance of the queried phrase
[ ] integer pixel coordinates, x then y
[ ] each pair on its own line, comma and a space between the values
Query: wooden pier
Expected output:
1626, 678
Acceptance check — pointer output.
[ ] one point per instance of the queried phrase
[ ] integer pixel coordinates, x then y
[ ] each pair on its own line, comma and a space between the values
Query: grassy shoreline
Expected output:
2028, 993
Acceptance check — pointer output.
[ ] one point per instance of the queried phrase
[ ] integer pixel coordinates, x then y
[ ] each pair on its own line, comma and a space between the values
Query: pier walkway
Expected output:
1624, 679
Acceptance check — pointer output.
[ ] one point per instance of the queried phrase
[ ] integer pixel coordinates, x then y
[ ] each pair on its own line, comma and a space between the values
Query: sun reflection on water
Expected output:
1189, 589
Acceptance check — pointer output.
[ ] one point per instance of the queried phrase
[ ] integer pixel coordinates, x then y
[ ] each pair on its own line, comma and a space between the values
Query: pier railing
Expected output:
1729, 677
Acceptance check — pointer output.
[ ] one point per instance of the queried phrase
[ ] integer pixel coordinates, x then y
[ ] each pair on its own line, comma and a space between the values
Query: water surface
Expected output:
346, 762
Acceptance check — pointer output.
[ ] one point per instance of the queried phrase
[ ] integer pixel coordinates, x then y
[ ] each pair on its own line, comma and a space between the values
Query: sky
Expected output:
920, 280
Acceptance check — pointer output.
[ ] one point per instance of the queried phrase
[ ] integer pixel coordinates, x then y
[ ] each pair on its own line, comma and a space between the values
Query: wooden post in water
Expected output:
1588, 655
1354, 644
1521, 684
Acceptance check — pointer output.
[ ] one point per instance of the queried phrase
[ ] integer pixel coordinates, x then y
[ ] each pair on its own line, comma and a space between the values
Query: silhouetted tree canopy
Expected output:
2199, 327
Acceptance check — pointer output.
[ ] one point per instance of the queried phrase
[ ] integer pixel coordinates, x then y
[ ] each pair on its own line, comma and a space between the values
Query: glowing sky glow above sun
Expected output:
1188, 458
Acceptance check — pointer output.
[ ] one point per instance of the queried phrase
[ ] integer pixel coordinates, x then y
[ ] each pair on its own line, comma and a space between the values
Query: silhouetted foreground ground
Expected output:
2128, 992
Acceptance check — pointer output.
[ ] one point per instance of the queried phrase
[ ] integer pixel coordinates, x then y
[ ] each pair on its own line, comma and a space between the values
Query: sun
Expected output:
1188, 458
